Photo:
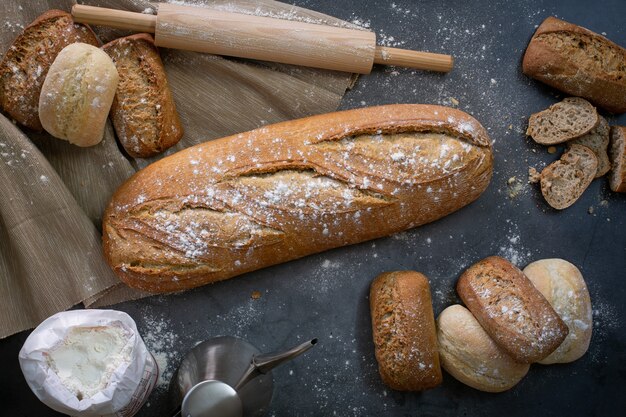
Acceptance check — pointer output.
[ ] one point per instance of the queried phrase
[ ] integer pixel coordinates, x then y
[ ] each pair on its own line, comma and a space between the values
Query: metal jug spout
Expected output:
263, 363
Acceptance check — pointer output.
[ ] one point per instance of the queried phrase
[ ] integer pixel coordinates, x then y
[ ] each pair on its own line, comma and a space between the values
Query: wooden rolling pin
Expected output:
263, 38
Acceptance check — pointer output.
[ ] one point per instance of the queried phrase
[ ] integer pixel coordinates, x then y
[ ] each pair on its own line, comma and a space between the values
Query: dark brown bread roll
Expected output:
511, 310
143, 111
403, 326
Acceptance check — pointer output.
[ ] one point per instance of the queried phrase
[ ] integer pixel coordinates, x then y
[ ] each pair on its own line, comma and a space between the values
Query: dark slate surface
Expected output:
325, 295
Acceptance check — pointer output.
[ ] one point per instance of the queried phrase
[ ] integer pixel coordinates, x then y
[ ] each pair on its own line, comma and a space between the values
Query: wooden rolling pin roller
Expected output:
263, 38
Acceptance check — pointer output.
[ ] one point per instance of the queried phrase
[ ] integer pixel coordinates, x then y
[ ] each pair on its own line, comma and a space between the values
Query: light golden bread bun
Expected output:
471, 356
564, 287
77, 94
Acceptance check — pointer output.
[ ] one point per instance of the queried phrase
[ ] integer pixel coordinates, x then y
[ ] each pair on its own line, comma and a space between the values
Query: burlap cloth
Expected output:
53, 194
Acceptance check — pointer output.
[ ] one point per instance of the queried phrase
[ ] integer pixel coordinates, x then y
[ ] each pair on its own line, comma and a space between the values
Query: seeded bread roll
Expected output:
564, 287
143, 110
617, 179
26, 63
511, 310
403, 326
471, 356
565, 180
77, 94
579, 62
563, 121
237, 204
598, 141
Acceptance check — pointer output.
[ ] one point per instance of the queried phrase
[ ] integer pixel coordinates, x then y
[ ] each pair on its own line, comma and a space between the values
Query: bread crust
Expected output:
511, 310
27, 61
548, 65
617, 179
403, 327
280, 192
564, 287
471, 356
143, 112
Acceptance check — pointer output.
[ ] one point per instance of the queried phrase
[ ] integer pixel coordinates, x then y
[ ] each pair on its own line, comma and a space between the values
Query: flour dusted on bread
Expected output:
280, 192
511, 310
143, 110
564, 287
26, 63
403, 327
469, 354
77, 94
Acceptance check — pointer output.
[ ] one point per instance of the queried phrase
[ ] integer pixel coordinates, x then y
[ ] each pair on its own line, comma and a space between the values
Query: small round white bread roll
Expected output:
564, 287
77, 94
471, 356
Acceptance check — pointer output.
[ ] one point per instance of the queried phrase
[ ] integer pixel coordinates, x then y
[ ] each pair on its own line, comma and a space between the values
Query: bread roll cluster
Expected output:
56, 77
513, 319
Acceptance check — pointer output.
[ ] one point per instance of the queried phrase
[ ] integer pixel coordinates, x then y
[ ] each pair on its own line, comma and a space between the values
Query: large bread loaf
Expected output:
284, 191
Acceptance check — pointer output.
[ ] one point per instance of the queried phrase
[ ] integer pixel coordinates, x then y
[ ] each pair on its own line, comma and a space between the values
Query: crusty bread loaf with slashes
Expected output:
579, 62
26, 63
511, 310
562, 121
565, 180
403, 327
280, 192
143, 110
564, 287
468, 353
617, 178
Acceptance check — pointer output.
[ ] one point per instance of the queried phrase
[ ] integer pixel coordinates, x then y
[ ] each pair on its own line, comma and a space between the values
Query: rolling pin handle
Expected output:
413, 59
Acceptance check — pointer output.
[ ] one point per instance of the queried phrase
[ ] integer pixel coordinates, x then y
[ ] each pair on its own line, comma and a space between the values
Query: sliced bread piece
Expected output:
598, 141
563, 121
617, 179
26, 63
565, 180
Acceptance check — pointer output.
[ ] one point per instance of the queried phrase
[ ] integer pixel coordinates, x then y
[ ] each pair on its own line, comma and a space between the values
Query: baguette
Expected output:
288, 190
403, 327
511, 310
578, 62
26, 63
143, 110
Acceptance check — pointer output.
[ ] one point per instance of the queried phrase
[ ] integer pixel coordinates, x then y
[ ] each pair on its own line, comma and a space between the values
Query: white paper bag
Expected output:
129, 384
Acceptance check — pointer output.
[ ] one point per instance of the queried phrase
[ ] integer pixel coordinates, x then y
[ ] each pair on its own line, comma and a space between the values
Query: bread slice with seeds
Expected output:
511, 310
617, 179
563, 121
598, 141
565, 180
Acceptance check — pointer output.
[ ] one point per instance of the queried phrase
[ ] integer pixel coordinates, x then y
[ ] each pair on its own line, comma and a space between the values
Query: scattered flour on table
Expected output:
160, 340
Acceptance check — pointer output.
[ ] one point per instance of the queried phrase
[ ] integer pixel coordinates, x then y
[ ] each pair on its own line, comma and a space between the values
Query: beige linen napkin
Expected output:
50, 256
